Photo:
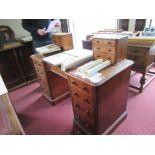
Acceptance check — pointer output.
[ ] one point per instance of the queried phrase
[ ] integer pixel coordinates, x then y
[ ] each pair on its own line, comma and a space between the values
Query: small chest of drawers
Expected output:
64, 40
112, 47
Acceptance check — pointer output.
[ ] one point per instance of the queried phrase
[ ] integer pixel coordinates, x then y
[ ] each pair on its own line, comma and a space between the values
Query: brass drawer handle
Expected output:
98, 41
98, 48
109, 50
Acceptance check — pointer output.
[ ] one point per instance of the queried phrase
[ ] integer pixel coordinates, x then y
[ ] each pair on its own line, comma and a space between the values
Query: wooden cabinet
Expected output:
99, 107
16, 67
110, 47
24, 53
64, 40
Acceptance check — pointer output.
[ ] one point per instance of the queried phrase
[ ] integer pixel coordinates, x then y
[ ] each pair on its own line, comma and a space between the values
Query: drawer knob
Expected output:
98, 41
76, 94
77, 106
87, 113
109, 42
109, 50
85, 89
74, 82
98, 48
134, 58
87, 101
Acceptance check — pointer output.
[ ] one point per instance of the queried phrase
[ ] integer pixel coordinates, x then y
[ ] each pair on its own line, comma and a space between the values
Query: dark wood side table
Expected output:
143, 61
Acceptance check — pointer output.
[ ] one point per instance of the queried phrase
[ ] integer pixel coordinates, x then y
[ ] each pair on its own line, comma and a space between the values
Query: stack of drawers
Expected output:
41, 74
64, 40
99, 107
83, 100
110, 47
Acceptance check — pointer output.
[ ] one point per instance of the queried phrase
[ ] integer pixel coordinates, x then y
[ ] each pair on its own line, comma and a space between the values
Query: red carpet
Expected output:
37, 116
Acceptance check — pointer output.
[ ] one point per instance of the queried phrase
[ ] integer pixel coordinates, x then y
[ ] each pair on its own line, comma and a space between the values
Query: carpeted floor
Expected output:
38, 117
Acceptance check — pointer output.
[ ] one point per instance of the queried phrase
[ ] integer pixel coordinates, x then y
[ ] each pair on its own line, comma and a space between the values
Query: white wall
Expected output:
82, 27
15, 25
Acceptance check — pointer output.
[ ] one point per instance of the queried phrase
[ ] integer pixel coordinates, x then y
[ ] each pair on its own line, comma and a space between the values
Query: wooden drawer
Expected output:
138, 67
136, 51
101, 48
83, 102
104, 42
136, 58
87, 89
104, 56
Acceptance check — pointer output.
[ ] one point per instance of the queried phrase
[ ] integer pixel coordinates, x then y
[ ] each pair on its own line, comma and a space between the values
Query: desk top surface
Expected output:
107, 73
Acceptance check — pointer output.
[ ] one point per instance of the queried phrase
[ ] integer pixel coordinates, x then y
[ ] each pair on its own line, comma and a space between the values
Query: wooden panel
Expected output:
24, 52
58, 85
9, 123
10, 69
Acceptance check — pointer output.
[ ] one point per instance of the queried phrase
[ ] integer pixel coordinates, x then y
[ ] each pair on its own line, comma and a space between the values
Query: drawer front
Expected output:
136, 51
136, 58
85, 88
138, 67
100, 48
104, 56
83, 102
104, 42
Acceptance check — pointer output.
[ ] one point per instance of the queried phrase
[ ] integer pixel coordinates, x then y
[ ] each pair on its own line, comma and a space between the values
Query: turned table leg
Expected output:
142, 82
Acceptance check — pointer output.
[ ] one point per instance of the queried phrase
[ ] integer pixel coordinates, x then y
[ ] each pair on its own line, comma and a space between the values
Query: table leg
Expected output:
142, 82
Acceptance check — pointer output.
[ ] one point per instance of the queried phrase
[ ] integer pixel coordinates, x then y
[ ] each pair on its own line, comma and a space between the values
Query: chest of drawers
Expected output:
98, 108
64, 40
112, 47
